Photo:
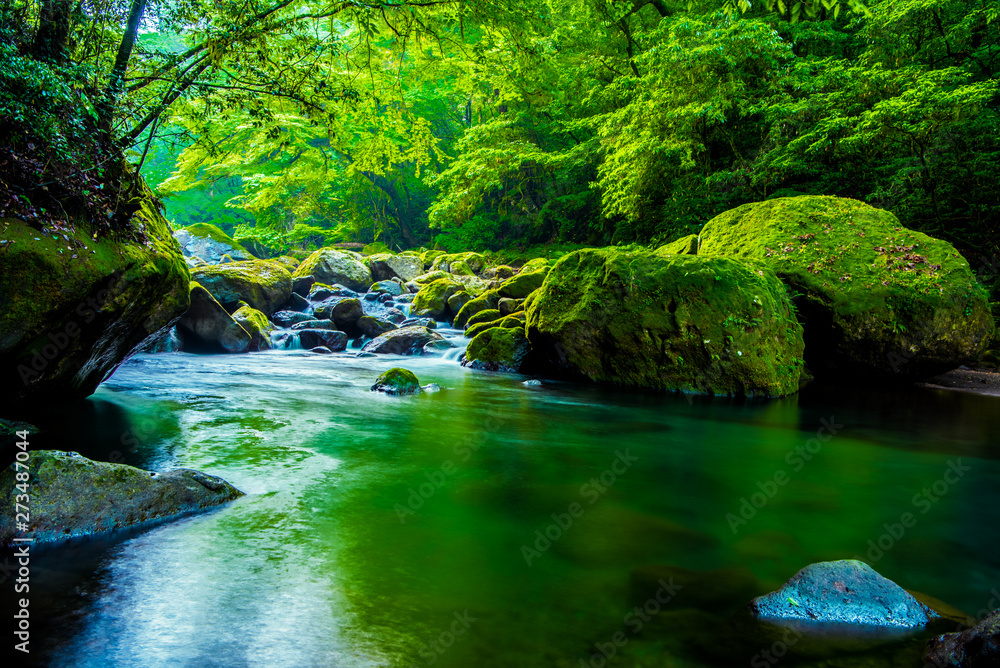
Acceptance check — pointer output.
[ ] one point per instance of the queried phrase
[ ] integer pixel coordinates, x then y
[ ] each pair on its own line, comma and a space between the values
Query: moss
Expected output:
498, 349
508, 322
430, 277
263, 284
116, 293
680, 322
874, 296
473, 262
684, 246
428, 257
535, 265
332, 265
288, 262
522, 285
375, 248
397, 381
487, 315
488, 300
431, 301
256, 325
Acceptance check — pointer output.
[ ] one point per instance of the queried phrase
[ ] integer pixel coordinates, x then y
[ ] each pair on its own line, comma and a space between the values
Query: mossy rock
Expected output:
431, 276
522, 285
498, 349
288, 262
397, 381
507, 322
72, 496
331, 265
428, 257
207, 327
262, 284
486, 301
680, 322
404, 267
458, 263
499, 273
486, 315
684, 246
72, 309
373, 326
535, 265
256, 325
874, 297
458, 300
208, 242
432, 299
376, 248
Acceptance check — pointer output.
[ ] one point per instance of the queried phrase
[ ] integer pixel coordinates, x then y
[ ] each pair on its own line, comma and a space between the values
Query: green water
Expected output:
376, 527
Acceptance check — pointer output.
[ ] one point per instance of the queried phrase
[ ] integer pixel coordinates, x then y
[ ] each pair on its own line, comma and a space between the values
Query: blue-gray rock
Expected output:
332, 339
314, 324
318, 293
72, 496
402, 341
978, 647
288, 318
429, 323
389, 287
373, 326
843, 592
296, 302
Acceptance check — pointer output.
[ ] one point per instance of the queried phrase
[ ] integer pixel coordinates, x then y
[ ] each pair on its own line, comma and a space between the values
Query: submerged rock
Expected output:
207, 327
845, 592
403, 341
397, 381
72, 308
263, 285
876, 298
72, 496
330, 266
683, 322
978, 647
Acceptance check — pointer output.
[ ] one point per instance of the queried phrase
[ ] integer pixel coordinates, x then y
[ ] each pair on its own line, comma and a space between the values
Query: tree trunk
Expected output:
117, 78
53, 31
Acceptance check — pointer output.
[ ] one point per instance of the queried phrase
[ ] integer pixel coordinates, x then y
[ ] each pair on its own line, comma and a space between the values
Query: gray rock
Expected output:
843, 592
978, 647
296, 302
207, 327
320, 292
508, 305
384, 266
429, 323
330, 266
389, 287
402, 341
72, 496
438, 345
345, 311
288, 318
405, 298
314, 324
332, 339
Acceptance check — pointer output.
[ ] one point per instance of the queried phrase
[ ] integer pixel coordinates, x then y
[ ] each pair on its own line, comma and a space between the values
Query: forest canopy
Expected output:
483, 125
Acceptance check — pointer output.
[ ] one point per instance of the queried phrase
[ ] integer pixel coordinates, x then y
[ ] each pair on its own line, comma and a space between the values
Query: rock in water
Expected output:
876, 298
330, 266
397, 381
498, 349
978, 647
73, 496
432, 299
208, 242
845, 592
262, 284
71, 310
207, 327
403, 341
683, 322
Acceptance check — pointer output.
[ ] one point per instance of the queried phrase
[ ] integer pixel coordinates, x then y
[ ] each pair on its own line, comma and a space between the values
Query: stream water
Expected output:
401, 531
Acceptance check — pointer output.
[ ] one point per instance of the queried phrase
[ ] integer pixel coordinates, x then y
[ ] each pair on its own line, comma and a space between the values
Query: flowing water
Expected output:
494, 523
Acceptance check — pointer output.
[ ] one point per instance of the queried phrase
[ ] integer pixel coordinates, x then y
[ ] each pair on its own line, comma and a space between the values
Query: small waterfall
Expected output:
284, 339
455, 354
404, 307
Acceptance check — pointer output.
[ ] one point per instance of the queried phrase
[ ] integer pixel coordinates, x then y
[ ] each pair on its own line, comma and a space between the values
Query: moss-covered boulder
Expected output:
72, 496
288, 262
537, 264
486, 315
522, 285
684, 246
460, 263
373, 326
207, 327
458, 300
329, 265
397, 381
488, 300
506, 322
680, 322
428, 257
403, 341
499, 273
404, 267
498, 349
208, 242
256, 325
262, 284
432, 299
72, 308
875, 297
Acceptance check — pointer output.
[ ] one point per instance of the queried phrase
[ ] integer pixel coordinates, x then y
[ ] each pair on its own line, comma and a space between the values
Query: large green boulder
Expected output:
431, 300
330, 266
207, 327
256, 325
498, 349
874, 297
488, 300
262, 284
208, 242
522, 285
72, 308
680, 322
72, 496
